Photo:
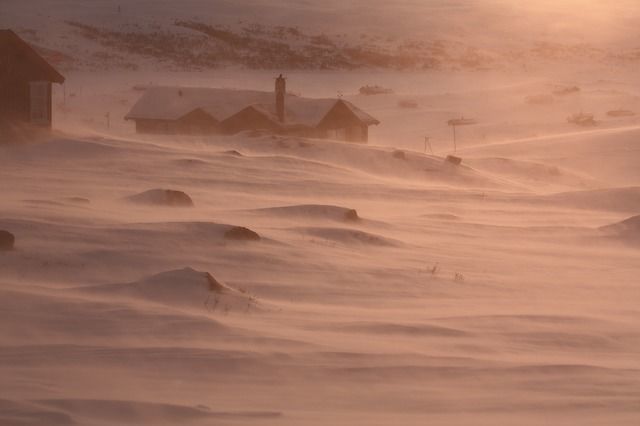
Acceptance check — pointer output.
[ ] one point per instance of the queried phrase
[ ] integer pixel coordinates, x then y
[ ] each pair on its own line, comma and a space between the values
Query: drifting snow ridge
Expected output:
628, 229
162, 197
181, 288
314, 211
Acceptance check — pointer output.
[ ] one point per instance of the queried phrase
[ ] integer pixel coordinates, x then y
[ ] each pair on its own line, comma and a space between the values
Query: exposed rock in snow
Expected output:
241, 233
163, 197
7, 240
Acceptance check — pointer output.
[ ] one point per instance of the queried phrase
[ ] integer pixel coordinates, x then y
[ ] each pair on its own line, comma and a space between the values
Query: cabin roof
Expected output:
9, 40
172, 103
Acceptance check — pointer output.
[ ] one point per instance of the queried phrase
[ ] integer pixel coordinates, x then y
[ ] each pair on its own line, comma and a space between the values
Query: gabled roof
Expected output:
9, 41
172, 103
360, 114
267, 112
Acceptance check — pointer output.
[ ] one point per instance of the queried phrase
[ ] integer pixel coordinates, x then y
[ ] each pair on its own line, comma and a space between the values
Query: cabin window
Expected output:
39, 102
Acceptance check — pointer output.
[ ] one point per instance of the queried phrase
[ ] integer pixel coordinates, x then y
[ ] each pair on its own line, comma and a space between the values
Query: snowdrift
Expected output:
611, 199
313, 211
349, 236
372, 160
627, 230
132, 412
162, 197
61, 150
531, 173
183, 288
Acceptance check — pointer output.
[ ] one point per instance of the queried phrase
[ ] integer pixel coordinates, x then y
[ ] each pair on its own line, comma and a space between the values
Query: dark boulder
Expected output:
214, 285
400, 155
7, 240
452, 159
351, 215
241, 233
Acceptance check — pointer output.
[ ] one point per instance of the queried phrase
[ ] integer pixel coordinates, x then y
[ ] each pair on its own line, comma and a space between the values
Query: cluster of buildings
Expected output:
26, 103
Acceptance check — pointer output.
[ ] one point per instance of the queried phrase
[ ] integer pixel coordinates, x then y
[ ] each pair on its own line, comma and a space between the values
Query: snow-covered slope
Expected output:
261, 34
453, 294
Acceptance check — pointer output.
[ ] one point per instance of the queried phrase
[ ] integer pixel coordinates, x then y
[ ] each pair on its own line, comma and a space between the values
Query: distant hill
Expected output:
335, 35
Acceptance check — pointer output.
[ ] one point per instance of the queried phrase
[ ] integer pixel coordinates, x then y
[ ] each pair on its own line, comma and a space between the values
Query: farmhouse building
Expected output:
191, 110
25, 86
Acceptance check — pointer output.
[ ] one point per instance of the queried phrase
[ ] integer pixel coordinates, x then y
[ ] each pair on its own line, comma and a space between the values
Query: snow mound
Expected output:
605, 155
612, 199
391, 328
162, 197
196, 232
184, 288
628, 229
441, 216
530, 172
137, 412
372, 160
349, 236
314, 211
61, 150
28, 413
78, 200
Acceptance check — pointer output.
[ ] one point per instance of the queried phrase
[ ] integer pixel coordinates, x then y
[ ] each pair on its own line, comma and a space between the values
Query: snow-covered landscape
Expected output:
269, 279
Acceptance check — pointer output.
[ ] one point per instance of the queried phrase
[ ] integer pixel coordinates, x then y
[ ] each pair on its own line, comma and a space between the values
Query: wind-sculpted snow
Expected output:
182, 288
162, 197
313, 211
317, 282
627, 230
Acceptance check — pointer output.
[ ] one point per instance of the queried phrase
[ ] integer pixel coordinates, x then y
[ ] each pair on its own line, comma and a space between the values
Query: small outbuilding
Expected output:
202, 111
25, 86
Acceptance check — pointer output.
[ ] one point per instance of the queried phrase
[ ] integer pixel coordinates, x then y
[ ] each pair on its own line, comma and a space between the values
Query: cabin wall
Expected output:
176, 127
14, 99
307, 132
195, 123
248, 119
15, 106
16, 74
341, 124
358, 133
153, 127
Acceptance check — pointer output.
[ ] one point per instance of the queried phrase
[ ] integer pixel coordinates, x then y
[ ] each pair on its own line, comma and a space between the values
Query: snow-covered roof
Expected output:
172, 103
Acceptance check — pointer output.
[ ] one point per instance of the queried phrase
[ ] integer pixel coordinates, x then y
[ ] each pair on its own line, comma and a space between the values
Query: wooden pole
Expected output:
427, 141
455, 146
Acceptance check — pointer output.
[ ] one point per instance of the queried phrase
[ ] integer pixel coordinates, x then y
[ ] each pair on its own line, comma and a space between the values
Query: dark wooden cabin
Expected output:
342, 122
195, 110
25, 86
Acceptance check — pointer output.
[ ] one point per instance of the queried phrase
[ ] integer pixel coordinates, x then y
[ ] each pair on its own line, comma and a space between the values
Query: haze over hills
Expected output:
300, 35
